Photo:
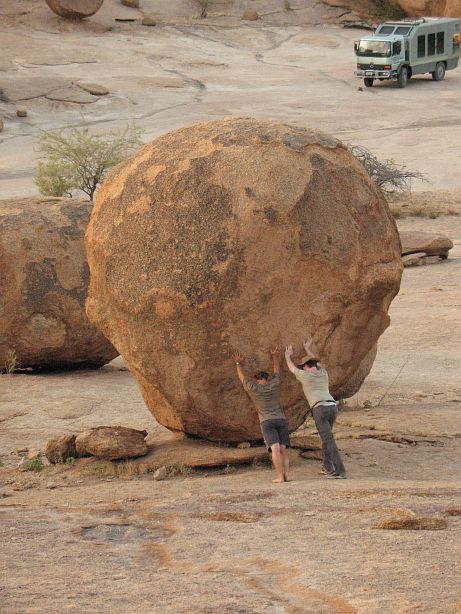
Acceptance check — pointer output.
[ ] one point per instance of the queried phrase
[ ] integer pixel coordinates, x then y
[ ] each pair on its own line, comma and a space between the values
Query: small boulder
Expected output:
250, 15
161, 474
33, 453
93, 88
59, 449
432, 244
243, 445
74, 9
133, 4
21, 112
148, 21
111, 442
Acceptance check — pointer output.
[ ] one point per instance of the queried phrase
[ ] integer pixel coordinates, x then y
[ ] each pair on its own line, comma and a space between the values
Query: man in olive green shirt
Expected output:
314, 380
265, 394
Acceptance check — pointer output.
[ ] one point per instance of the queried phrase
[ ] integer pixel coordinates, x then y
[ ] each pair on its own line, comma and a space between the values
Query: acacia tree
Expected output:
388, 176
75, 159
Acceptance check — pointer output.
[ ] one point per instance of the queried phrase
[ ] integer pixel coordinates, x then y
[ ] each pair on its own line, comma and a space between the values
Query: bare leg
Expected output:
286, 463
278, 463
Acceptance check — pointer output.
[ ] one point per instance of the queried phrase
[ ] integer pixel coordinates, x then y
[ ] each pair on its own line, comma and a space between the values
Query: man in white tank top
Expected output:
314, 380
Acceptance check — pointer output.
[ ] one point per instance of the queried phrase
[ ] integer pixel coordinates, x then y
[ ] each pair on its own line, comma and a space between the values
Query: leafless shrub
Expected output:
204, 6
388, 175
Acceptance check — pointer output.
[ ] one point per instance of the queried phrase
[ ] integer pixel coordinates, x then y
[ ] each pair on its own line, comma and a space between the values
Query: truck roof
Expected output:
417, 21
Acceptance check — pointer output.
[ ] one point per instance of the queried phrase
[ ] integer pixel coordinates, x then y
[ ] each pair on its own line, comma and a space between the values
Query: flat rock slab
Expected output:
93, 88
409, 424
432, 244
17, 87
196, 453
72, 94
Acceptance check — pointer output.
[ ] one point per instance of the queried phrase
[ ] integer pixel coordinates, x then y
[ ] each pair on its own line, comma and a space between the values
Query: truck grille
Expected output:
369, 67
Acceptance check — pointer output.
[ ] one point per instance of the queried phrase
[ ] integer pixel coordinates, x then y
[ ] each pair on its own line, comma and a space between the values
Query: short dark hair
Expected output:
310, 364
261, 375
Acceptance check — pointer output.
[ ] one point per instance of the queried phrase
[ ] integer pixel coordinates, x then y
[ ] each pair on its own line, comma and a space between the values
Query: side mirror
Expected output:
356, 46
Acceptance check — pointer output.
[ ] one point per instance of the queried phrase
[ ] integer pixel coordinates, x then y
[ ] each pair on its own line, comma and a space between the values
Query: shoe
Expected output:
336, 476
325, 472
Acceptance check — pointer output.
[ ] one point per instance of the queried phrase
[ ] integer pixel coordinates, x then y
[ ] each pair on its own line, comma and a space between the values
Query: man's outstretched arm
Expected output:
307, 346
288, 355
275, 353
238, 362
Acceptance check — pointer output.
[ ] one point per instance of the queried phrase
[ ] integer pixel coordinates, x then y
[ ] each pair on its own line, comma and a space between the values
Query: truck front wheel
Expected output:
403, 77
368, 81
439, 72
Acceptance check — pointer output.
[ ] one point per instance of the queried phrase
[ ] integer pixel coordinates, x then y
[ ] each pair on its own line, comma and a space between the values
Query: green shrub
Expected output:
75, 159
35, 464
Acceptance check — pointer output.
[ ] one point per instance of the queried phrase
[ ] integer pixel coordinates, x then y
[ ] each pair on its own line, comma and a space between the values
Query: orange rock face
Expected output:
43, 285
239, 234
431, 8
74, 9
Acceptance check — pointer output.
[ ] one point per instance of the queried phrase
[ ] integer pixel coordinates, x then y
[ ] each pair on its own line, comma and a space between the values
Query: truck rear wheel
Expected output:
403, 77
368, 81
439, 72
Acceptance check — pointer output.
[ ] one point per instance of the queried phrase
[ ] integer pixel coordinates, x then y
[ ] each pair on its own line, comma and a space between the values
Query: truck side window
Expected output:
431, 44
396, 48
421, 46
440, 42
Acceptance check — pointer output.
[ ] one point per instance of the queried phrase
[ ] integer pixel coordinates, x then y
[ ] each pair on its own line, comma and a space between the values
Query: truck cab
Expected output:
397, 50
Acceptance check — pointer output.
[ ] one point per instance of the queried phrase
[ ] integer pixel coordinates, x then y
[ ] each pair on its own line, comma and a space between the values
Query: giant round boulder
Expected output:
75, 9
43, 286
239, 234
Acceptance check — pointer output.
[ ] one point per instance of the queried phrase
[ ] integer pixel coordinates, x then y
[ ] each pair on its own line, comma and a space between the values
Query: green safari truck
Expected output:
398, 50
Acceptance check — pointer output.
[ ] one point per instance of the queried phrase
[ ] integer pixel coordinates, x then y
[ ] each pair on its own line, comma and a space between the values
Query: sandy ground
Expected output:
229, 541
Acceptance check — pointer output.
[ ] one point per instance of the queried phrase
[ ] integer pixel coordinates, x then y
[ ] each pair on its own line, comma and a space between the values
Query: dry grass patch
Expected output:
106, 468
412, 524
246, 517
452, 511
429, 205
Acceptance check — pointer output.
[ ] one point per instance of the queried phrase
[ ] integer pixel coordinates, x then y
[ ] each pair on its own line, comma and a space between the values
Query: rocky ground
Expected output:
78, 538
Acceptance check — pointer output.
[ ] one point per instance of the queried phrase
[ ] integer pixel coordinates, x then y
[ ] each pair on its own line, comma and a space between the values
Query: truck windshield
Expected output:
376, 49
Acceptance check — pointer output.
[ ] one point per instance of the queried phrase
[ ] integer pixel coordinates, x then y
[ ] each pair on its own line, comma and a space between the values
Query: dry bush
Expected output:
388, 176
11, 363
204, 6
423, 204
